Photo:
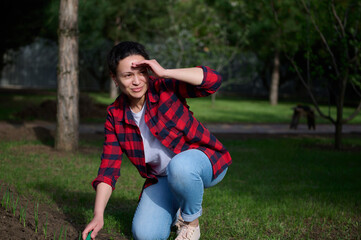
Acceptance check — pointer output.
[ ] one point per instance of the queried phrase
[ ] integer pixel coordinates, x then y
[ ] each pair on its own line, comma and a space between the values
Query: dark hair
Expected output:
123, 50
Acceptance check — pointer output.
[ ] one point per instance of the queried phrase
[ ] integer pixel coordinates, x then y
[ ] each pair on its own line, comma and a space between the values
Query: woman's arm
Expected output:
193, 76
103, 194
187, 82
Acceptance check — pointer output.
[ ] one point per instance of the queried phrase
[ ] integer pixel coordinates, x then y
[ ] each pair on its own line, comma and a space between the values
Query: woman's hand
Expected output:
95, 225
152, 65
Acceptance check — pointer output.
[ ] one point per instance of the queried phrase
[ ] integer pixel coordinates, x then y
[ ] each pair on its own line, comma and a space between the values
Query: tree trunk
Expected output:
113, 90
213, 100
273, 96
67, 134
339, 117
338, 135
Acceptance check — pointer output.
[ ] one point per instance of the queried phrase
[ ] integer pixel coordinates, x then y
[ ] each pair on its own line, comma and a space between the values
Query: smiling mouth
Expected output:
137, 89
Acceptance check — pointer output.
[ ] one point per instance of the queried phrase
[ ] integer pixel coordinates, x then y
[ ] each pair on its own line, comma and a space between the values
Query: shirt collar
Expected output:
123, 114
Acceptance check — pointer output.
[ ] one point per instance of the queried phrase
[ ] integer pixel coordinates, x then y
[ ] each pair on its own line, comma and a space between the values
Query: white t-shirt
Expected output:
157, 156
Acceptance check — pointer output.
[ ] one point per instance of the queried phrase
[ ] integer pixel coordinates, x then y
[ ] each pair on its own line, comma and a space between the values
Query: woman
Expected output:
151, 123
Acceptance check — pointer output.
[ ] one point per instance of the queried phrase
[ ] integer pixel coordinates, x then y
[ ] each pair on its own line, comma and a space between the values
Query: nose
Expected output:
136, 79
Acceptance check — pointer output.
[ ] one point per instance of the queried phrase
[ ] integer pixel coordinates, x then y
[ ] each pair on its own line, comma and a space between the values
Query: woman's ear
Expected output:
114, 78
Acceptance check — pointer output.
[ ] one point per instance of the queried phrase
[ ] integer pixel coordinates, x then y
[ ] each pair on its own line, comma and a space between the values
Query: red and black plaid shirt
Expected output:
169, 120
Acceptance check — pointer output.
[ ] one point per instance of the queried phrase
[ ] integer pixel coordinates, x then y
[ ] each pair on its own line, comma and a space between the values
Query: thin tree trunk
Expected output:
214, 100
338, 135
273, 96
67, 134
113, 89
339, 117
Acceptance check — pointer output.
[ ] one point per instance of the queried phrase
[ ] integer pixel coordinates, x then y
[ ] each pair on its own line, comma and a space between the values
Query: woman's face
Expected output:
133, 82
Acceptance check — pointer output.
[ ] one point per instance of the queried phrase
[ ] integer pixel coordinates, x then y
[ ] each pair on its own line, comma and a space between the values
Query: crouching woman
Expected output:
151, 123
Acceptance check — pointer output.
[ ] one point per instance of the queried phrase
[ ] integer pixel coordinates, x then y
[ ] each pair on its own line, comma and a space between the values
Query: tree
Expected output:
337, 62
94, 38
68, 94
195, 33
275, 30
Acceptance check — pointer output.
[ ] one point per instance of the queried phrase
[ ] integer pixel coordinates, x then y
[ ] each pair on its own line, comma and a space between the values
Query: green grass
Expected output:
236, 110
225, 110
282, 188
233, 110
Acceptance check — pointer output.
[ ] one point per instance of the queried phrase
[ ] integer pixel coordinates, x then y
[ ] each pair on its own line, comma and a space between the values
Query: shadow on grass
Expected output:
78, 208
44, 136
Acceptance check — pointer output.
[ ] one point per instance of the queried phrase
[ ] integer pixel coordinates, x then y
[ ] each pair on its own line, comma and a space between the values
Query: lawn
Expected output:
276, 188
225, 110
237, 110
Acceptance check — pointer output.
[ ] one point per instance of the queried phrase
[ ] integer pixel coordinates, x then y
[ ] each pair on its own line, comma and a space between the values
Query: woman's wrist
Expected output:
98, 214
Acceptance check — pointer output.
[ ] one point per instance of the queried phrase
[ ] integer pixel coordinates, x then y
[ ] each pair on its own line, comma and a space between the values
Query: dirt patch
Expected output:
20, 131
48, 223
47, 110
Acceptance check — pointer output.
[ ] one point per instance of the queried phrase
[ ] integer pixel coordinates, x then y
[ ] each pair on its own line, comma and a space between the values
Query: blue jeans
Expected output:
188, 173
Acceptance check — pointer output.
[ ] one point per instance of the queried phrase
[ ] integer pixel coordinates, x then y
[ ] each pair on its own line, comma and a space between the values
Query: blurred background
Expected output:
250, 43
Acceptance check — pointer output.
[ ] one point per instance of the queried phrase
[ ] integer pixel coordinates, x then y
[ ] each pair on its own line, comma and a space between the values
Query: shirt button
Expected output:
156, 133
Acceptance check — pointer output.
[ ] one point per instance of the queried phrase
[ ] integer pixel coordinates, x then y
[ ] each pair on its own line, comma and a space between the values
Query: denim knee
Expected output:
148, 232
182, 166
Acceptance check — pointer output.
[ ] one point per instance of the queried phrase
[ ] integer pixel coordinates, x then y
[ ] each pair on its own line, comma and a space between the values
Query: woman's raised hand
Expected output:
152, 65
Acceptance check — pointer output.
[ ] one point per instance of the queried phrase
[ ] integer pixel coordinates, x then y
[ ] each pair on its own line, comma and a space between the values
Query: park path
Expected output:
223, 128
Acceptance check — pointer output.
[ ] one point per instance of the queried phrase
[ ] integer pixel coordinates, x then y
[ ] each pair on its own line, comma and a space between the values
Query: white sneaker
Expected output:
189, 233
179, 224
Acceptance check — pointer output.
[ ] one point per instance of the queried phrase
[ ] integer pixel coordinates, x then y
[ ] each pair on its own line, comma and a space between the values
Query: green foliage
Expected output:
15, 204
45, 226
236, 37
22, 216
332, 58
5, 201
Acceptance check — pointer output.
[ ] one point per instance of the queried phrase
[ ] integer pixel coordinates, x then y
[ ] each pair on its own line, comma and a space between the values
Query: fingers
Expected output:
92, 226
152, 65
87, 230
141, 63
85, 233
144, 63
95, 231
